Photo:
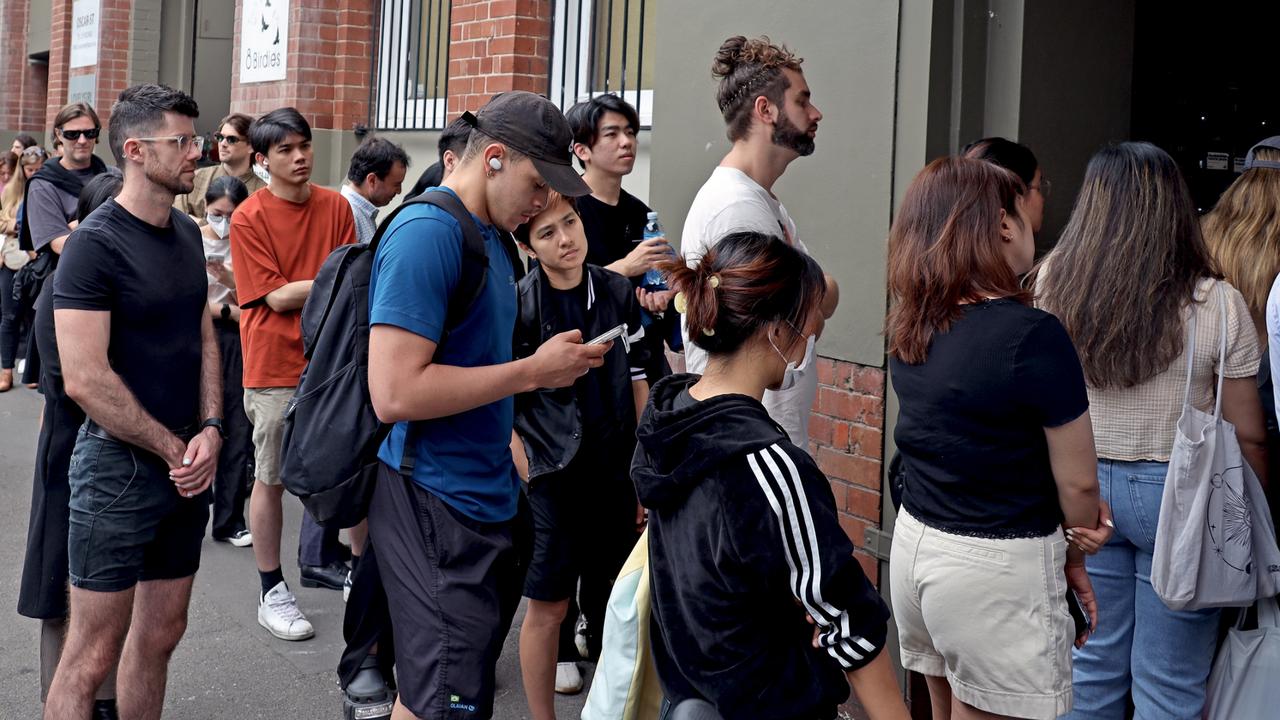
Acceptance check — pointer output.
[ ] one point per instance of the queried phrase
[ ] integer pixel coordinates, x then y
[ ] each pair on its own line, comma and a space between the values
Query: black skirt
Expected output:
43, 593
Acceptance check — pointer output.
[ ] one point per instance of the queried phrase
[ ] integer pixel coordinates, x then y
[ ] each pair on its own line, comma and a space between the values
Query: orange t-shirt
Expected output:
275, 242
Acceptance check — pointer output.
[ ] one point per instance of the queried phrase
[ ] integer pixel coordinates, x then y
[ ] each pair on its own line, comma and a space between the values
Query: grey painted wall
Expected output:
1077, 89
841, 196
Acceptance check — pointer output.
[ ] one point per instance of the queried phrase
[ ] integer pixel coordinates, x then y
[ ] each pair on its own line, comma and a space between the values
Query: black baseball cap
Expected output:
1271, 143
531, 125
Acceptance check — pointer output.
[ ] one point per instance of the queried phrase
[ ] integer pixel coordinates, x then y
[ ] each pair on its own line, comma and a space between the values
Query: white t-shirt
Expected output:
730, 201
1273, 338
218, 293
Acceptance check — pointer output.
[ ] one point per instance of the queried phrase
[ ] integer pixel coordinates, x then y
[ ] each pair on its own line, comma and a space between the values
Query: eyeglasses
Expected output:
1044, 188
228, 139
34, 151
183, 141
74, 135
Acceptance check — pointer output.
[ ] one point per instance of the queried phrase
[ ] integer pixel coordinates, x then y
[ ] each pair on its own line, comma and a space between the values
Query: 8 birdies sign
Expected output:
264, 40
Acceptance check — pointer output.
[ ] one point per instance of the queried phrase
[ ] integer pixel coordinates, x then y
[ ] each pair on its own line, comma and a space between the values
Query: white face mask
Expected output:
220, 224
793, 369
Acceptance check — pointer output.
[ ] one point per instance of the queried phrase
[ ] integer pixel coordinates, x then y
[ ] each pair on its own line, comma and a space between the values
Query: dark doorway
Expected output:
1204, 86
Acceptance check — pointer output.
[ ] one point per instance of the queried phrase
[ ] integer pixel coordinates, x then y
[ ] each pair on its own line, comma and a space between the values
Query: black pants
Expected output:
453, 585
235, 462
9, 320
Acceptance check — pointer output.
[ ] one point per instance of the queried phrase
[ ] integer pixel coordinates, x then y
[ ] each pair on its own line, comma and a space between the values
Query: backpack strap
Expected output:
475, 271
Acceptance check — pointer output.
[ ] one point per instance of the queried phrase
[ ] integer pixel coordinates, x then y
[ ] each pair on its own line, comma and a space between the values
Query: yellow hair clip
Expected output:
715, 281
681, 303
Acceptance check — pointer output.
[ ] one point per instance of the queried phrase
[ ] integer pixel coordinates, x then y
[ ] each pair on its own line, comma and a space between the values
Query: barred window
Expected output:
411, 65
599, 46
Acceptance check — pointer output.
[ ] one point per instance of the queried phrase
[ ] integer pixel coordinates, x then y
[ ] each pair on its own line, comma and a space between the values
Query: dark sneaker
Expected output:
367, 696
332, 576
105, 710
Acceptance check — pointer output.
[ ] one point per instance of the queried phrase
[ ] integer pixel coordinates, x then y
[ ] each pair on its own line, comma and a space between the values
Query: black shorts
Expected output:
452, 586
584, 524
128, 523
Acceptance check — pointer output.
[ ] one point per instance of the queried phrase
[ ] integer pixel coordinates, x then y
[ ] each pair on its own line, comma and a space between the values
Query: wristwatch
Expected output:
226, 311
215, 423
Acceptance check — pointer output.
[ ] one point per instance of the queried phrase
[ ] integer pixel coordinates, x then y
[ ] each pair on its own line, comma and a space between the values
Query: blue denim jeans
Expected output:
1141, 646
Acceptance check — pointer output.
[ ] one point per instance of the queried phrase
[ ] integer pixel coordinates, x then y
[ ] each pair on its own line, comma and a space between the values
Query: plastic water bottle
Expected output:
653, 279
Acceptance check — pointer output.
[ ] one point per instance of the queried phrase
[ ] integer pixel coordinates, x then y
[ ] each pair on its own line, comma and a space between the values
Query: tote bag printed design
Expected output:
1210, 549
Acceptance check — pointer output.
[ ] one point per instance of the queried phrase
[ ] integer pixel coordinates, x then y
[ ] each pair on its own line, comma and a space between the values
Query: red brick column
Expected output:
112, 69
329, 58
495, 46
22, 105
846, 437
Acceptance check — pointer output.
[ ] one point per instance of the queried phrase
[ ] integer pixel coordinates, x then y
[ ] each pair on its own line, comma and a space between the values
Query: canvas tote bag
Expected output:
1208, 550
1243, 682
625, 686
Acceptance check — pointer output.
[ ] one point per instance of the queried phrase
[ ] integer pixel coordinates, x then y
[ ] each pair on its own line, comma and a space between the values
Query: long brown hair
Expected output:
1127, 265
944, 250
1243, 234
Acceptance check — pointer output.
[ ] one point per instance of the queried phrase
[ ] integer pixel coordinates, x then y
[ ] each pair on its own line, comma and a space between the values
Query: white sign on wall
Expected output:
264, 40
85, 17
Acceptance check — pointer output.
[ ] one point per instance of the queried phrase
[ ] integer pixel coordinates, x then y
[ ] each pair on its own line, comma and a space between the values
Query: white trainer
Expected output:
278, 612
568, 678
242, 538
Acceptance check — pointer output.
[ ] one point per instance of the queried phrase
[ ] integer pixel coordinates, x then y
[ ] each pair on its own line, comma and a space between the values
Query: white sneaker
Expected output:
242, 538
580, 637
346, 587
278, 612
568, 678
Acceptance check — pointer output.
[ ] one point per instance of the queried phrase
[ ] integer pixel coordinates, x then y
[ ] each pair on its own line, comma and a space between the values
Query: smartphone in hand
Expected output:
1084, 625
613, 334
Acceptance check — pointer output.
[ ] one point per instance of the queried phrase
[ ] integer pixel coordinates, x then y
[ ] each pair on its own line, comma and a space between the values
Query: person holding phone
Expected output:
235, 465
573, 445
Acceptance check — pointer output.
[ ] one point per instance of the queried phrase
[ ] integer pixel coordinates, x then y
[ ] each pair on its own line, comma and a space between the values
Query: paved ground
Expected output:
226, 666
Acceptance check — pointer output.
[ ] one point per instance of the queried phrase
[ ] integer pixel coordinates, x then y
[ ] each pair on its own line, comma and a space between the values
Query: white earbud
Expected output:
495, 163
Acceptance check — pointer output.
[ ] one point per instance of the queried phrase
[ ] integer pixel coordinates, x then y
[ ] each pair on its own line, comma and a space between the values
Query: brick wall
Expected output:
329, 61
495, 46
846, 437
112, 71
22, 105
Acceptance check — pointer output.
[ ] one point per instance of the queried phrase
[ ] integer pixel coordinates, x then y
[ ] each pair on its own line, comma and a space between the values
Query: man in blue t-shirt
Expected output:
452, 597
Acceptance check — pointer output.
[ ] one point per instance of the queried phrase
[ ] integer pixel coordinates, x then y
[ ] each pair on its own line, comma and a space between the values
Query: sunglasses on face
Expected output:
228, 139
74, 135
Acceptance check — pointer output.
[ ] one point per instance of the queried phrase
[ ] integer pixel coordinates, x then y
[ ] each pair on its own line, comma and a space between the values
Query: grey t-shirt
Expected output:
48, 210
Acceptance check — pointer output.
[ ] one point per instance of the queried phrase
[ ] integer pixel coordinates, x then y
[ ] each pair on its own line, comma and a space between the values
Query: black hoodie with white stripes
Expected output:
744, 542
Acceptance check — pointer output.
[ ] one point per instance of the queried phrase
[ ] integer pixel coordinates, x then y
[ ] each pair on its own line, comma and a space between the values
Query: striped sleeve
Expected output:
824, 576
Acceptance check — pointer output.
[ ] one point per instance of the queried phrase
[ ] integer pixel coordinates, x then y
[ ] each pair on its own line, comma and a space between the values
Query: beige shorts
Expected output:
989, 615
265, 408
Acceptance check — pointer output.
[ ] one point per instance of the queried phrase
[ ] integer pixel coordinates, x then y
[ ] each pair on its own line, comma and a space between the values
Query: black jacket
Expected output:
549, 421
744, 540
68, 182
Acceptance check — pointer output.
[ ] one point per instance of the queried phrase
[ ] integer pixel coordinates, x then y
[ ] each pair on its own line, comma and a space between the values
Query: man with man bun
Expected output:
771, 120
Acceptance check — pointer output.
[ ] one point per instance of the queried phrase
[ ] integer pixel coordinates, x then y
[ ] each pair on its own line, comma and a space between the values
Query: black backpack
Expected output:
329, 455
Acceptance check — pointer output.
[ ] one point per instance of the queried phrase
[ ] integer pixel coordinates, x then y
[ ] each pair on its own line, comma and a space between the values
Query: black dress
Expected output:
43, 593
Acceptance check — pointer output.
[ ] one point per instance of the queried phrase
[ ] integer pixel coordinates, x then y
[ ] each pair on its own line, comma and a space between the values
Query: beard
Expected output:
169, 180
787, 135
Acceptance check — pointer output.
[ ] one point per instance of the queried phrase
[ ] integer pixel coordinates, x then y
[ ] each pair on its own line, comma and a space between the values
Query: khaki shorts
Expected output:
265, 408
989, 615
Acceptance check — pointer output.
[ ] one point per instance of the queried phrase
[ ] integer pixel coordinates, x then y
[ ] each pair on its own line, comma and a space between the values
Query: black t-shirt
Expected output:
152, 281
612, 230
972, 417
567, 310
